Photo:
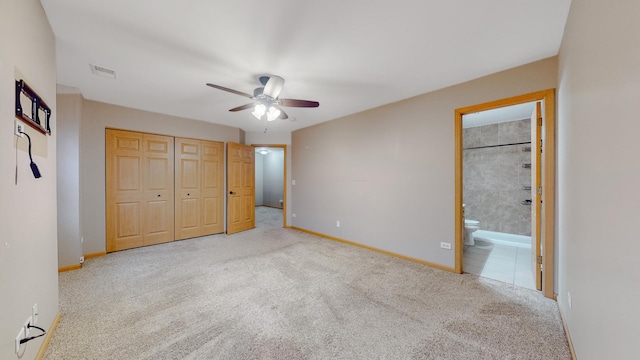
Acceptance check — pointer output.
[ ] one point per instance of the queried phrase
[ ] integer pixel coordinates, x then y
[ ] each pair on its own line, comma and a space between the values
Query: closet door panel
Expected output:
187, 175
199, 188
139, 178
124, 193
158, 189
129, 229
190, 210
212, 187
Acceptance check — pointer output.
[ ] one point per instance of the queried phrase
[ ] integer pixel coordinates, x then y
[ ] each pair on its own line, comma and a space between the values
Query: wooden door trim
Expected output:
284, 181
548, 181
536, 207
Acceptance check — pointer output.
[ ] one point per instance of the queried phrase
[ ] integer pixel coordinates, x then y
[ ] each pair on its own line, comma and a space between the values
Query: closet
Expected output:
139, 189
161, 188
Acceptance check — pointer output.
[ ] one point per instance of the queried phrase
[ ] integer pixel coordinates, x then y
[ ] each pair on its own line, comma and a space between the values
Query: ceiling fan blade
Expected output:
273, 87
230, 90
299, 103
243, 107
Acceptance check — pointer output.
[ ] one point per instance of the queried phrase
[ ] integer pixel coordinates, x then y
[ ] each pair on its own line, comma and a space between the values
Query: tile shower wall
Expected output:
493, 178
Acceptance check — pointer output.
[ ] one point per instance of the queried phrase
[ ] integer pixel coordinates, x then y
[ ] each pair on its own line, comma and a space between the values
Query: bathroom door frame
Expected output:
547, 225
284, 177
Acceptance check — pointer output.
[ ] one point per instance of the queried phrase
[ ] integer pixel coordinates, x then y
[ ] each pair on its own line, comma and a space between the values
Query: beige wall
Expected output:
28, 244
598, 178
387, 174
96, 117
69, 108
272, 177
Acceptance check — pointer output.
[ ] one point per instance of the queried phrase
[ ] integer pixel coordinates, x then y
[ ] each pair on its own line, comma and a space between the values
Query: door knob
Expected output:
232, 192
188, 194
158, 195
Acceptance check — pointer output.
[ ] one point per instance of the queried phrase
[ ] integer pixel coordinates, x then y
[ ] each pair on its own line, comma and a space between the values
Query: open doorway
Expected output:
542, 197
497, 194
270, 170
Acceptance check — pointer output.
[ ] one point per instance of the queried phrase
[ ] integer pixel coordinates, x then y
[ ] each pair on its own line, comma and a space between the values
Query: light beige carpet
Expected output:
273, 293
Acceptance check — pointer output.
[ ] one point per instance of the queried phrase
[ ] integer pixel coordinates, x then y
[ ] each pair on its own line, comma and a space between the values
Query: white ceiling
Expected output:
350, 55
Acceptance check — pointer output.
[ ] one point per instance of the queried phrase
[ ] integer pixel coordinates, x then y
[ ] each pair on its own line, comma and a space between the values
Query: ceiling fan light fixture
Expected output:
266, 99
259, 110
273, 113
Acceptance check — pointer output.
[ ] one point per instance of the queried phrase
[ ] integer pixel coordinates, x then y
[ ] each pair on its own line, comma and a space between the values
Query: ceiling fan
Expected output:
266, 101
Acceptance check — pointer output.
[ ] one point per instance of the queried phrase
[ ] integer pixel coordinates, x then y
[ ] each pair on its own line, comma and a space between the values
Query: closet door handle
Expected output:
158, 195
232, 192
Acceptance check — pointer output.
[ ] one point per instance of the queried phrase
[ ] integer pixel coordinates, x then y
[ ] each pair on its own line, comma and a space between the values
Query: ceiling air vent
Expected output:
103, 71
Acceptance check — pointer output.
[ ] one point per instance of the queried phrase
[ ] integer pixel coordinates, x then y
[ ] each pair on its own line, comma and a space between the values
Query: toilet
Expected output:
470, 226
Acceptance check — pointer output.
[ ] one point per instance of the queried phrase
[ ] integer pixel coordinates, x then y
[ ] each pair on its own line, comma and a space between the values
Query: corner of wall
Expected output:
69, 107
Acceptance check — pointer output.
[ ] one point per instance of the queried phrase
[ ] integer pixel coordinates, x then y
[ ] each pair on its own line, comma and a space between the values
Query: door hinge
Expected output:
540, 259
539, 190
539, 121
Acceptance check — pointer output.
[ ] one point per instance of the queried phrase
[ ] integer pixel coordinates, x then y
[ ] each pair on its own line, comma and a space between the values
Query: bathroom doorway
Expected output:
497, 193
270, 170
508, 234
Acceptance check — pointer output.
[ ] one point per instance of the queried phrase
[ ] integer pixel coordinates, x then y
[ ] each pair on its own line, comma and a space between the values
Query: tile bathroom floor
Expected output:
509, 264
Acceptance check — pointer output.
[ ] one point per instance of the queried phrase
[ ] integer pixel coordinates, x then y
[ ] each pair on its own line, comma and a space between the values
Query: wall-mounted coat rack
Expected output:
38, 107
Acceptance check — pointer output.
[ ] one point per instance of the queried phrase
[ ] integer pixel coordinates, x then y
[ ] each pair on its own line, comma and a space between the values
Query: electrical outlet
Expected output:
34, 314
18, 338
445, 245
18, 128
338, 223
27, 329
81, 259
293, 215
